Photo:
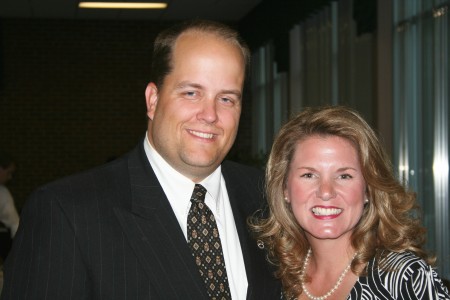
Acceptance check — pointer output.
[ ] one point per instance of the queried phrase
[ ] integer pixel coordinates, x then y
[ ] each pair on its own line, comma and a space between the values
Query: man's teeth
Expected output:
202, 134
320, 211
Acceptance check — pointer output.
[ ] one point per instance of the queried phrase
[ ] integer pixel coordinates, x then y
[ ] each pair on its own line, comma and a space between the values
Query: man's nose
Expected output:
208, 112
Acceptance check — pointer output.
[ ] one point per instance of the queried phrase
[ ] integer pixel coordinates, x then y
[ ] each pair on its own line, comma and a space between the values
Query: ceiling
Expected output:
221, 10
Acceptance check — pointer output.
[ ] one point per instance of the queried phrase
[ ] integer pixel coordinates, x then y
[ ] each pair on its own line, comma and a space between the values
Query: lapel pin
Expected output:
260, 244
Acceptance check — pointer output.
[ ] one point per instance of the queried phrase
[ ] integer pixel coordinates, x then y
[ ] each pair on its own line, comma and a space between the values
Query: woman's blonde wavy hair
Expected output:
389, 221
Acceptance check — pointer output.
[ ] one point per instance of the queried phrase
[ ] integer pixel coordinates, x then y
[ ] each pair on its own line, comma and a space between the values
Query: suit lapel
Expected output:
243, 204
153, 232
155, 236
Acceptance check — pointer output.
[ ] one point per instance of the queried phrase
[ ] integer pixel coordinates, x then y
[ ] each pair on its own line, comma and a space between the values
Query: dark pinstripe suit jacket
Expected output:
110, 233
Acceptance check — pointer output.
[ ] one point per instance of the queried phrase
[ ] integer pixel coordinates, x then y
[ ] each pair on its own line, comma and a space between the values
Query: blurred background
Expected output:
72, 83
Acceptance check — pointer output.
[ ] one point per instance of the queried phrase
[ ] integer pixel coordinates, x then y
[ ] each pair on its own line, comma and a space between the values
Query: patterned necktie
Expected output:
204, 241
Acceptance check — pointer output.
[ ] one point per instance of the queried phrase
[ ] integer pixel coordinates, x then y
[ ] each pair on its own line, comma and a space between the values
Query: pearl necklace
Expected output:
335, 287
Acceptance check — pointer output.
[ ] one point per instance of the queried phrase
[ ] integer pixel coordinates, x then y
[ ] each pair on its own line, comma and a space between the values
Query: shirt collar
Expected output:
174, 180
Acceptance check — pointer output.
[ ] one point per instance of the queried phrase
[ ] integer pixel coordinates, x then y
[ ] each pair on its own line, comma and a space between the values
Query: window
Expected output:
421, 128
270, 95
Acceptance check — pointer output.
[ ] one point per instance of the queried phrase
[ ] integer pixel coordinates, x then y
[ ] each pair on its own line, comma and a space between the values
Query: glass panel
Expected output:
441, 158
427, 183
259, 101
421, 80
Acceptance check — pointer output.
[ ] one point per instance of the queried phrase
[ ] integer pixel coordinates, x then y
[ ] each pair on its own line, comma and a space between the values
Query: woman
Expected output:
339, 225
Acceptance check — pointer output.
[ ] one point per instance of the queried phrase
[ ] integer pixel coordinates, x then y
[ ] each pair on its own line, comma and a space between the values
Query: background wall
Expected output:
72, 95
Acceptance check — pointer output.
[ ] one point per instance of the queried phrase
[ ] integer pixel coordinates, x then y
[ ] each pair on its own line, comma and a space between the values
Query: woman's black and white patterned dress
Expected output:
410, 278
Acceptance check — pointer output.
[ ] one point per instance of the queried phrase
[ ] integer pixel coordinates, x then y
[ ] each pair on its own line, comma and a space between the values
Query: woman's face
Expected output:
325, 187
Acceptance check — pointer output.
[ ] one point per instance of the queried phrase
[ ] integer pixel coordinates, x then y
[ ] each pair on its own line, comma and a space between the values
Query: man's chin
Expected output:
203, 161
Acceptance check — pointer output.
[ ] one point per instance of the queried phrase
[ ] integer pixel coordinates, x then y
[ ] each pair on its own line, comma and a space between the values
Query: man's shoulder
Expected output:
238, 168
101, 182
99, 173
3, 189
5, 195
246, 179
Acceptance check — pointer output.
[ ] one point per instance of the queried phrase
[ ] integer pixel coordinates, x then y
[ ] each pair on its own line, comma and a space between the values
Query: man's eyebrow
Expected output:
188, 84
237, 93
185, 84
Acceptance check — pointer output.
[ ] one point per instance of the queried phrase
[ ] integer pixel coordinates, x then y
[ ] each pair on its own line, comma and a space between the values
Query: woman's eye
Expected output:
307, 175
346, 176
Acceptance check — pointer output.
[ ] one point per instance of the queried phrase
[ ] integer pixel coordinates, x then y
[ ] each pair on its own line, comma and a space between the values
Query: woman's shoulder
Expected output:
403, 266
399, 275
406, 273
403, 260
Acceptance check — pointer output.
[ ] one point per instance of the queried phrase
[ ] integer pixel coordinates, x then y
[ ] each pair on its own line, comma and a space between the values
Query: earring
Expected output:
260, 244
366, 201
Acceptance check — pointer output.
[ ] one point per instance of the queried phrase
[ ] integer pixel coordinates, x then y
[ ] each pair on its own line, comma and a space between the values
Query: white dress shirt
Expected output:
178, 190
8, 212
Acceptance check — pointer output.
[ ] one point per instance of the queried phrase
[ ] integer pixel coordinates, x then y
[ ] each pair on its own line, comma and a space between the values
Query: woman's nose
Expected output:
326, 190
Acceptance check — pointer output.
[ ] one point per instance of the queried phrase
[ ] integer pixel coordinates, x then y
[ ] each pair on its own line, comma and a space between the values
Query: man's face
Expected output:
194, 116
6, 173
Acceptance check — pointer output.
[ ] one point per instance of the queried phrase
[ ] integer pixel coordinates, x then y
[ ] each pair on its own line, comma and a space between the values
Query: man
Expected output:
8, 213
123, 231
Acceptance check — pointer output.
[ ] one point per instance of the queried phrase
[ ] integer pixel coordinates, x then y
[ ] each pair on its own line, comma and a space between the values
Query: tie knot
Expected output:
198, 195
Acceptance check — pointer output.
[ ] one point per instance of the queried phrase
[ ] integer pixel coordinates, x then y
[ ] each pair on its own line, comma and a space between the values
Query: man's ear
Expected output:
151, 99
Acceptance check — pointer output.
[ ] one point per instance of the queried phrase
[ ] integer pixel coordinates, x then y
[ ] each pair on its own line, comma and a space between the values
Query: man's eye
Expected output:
227, 100
190, 93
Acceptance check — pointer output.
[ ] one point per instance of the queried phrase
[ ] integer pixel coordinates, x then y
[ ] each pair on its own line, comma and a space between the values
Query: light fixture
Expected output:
123, 5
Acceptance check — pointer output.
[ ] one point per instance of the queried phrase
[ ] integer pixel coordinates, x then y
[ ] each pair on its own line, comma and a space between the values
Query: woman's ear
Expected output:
286, 198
